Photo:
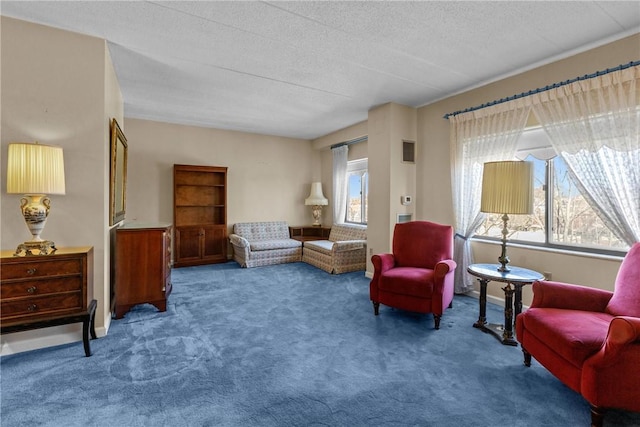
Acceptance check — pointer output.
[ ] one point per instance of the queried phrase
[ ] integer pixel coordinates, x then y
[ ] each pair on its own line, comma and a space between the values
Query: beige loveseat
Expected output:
346, 250
264, 243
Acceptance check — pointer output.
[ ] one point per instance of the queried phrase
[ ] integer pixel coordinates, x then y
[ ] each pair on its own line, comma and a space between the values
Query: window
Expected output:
357, 191
561, 217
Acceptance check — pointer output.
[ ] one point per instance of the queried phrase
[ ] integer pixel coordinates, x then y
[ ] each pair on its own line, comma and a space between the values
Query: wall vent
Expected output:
409, 151
404, 218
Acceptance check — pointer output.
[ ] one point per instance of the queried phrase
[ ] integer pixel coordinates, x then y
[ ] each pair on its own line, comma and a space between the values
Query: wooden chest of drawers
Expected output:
143, 266
48, 290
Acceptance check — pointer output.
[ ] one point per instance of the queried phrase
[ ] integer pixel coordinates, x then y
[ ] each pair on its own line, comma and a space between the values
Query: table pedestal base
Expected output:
514, 280
497, 330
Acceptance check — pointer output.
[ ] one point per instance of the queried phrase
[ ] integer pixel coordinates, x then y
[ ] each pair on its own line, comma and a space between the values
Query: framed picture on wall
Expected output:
118, 175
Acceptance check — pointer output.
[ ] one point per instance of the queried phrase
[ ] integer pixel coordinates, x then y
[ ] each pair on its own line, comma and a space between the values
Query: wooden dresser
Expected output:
143, 266
48, 290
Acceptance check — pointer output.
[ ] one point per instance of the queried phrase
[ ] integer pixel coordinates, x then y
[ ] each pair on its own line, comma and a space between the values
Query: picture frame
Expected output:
118, 174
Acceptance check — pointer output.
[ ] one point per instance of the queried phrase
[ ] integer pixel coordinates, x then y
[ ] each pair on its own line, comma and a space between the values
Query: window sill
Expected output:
576, 252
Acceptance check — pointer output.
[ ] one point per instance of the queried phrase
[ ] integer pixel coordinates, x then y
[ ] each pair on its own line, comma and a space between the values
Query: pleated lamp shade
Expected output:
35, 169
507, 187
316, 198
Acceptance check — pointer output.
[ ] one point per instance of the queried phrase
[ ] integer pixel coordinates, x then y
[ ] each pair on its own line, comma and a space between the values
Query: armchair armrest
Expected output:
348, 245
609, 376
444, 267
623, 331
382, 262
571, 297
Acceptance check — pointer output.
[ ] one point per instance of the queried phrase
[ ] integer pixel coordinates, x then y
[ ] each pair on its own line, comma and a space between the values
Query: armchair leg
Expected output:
527, 357
451, 304
436, 319
597, 416
376, 307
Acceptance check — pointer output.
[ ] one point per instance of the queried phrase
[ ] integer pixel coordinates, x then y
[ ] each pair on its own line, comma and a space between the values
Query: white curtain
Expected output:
340, 158
594, 125
480, 136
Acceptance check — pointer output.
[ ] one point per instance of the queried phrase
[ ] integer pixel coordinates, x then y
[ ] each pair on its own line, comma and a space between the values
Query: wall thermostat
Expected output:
405, 200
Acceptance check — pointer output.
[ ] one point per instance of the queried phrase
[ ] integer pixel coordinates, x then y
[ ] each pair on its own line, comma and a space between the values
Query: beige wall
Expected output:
268, 177
435, 201
59, 88
389, 176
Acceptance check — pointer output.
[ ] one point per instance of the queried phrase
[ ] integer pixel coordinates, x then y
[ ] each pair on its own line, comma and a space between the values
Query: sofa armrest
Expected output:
238, 241
570, 297
348, 245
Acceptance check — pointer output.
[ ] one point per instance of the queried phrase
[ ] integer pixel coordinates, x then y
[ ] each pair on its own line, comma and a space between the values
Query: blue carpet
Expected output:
287, 345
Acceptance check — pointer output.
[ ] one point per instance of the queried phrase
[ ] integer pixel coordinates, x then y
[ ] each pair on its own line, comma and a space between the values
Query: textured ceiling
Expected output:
305, 69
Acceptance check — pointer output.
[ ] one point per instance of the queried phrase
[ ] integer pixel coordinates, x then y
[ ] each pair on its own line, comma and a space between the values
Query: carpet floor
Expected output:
287, 345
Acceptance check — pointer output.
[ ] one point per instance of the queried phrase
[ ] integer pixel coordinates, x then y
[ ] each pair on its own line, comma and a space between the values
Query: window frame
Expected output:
529, 148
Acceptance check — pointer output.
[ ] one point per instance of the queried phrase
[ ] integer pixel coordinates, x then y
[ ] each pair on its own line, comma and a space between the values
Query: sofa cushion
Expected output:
574, 334
341, 232
267, 230
265, 245
322, 246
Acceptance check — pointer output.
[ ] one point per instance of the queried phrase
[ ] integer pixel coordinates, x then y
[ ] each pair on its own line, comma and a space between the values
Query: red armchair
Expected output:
418, 275
589, 338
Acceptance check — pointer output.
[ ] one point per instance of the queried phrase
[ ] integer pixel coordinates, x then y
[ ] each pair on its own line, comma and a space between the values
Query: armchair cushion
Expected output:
424, 252
408, 281
626, 297
574, 334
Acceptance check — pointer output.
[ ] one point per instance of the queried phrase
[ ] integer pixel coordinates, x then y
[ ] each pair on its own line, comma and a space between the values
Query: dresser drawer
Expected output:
41, 268
30, 288
41, 305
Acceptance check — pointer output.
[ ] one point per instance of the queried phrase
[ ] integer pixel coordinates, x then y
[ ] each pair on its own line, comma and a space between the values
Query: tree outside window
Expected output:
357, 191
561, 217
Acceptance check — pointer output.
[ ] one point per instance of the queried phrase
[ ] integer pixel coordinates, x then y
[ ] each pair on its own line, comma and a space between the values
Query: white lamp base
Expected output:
35, 210
316, 211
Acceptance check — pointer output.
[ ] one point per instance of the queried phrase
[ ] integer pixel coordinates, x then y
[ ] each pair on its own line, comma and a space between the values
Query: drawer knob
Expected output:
32, 307
31, 271
32, 290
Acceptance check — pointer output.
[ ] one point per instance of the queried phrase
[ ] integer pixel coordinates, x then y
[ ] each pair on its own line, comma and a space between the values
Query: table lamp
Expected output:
507, 188
35, 170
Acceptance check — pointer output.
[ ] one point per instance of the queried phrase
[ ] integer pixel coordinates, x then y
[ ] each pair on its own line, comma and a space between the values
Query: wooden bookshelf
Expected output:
200, 214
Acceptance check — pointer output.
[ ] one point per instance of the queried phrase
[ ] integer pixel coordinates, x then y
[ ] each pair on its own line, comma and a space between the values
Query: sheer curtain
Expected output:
480, 136
340, 157
594, 125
